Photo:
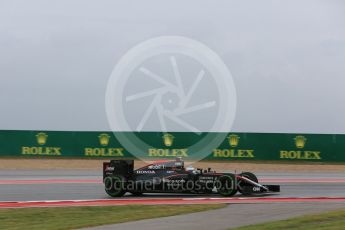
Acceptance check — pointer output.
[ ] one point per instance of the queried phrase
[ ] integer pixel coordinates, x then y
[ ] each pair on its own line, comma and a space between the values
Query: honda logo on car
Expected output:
145, 172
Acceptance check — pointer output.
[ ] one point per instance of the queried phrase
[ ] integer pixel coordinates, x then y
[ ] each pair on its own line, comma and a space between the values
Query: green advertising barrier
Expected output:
233, 146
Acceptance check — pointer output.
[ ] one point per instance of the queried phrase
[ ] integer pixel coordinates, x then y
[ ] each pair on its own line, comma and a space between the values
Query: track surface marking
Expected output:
115, 202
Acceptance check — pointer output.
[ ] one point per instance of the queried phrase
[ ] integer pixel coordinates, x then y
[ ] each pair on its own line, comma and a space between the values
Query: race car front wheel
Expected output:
242, 183
115, 185
226, 185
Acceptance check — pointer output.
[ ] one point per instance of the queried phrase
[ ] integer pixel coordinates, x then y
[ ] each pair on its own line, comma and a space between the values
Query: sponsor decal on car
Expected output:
145, 172
109, 168
157, 167
256, 189
206, 179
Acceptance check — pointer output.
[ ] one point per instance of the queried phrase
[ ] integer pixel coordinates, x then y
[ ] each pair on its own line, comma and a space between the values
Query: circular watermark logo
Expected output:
171, 84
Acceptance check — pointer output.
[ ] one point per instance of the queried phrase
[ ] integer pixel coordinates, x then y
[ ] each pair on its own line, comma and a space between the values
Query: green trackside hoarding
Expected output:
235, 146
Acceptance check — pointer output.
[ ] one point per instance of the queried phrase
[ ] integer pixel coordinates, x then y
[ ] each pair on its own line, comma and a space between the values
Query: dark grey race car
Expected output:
120, 177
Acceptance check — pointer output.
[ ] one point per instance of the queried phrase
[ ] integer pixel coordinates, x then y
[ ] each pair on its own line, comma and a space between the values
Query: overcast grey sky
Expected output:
287, 58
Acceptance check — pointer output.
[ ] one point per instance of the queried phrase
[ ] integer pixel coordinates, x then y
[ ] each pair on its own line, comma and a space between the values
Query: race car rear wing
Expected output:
118, 167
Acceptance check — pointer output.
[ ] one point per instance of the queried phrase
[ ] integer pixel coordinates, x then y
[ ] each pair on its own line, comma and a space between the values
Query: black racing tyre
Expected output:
226, 185
251, 177
115, 185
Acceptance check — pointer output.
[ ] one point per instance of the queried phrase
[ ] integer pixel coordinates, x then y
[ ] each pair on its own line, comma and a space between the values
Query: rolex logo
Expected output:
168, 139
41, 138
300, 141
233, 140
104, 139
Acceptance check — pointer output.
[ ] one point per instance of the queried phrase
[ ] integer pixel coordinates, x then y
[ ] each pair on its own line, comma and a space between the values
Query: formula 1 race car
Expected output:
120, 177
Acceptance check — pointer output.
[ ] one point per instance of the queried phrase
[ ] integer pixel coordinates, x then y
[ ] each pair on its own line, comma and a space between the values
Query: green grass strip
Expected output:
79, 217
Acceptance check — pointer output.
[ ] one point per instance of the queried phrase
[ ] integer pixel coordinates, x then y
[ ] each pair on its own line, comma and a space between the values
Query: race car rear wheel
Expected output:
115, 185
226, 185
251, 177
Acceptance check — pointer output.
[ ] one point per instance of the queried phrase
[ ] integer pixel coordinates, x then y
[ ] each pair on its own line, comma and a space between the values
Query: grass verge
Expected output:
334, 220
79, 217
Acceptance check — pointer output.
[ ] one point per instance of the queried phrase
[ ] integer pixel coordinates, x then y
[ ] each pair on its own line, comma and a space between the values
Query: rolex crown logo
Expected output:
41, 138
300, 141
168, 139
233, 140
104, 139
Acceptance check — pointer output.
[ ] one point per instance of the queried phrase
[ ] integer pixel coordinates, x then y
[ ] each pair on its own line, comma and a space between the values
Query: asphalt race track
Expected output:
47, 185
301, 193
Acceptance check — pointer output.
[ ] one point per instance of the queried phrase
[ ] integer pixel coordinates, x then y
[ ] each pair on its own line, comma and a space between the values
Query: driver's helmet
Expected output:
190, 168
179, 163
